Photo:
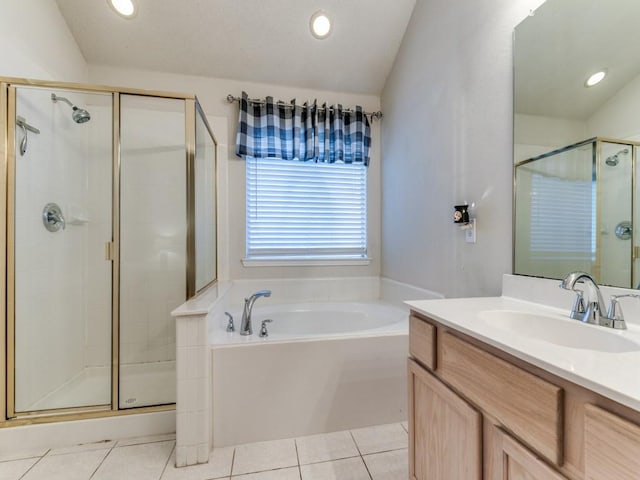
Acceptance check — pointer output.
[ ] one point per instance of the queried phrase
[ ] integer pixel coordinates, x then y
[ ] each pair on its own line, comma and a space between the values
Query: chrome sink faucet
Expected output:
590, 309
245, 326
594, 308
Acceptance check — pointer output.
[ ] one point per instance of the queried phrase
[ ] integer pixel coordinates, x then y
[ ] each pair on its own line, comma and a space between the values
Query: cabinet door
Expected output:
518, 463
612, 446
445, 432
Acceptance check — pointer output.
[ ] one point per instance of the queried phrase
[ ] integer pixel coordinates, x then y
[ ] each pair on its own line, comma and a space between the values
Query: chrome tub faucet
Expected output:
245, 325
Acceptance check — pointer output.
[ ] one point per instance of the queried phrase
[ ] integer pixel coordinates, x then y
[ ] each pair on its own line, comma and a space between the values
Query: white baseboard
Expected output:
62, 434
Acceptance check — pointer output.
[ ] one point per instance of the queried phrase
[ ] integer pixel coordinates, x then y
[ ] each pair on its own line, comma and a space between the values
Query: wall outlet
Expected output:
470, 232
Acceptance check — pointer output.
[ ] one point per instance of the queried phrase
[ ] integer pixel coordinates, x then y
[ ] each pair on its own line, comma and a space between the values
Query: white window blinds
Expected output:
563, 218
304, 210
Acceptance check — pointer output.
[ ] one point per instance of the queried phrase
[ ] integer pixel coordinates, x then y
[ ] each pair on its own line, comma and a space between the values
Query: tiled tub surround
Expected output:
372, 453
612, 375
272, 388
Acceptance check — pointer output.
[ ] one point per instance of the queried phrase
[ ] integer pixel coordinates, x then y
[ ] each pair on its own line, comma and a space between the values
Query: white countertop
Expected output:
612, 375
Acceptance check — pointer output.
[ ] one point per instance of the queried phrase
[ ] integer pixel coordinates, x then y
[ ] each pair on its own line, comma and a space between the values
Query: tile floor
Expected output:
372, 453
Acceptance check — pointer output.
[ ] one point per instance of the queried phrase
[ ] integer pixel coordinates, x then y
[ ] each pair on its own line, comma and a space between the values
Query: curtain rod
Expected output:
231, 99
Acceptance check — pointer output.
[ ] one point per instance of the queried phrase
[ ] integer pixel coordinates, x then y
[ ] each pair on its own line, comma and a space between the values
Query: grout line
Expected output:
102, 462
355, 443
361, 457
295, 442
34, 464
334, 459
117, 442
262, 471
167, 462
233, 460
275, 469
383, 451
406, 429
366, 468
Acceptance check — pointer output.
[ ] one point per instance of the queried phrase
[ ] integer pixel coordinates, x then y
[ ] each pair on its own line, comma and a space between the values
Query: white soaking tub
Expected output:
324, 367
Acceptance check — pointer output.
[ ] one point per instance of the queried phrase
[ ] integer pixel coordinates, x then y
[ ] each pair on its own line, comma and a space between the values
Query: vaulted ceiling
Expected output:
563, 43
254, 40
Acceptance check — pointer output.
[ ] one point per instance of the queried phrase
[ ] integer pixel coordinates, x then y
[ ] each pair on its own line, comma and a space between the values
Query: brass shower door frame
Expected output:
633, 145
596, 149
8, 416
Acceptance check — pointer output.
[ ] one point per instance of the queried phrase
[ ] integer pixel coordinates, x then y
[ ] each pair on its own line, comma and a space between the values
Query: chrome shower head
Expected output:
613, 160
79, 115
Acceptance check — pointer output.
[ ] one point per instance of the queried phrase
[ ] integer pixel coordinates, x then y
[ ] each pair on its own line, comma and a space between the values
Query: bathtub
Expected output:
324, 367
300, 321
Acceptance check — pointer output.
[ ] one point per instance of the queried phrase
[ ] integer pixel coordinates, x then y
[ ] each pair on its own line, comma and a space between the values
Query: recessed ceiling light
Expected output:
125, 8
320, 25
595, 79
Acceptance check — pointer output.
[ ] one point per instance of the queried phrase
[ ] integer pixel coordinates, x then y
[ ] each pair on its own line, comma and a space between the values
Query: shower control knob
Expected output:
624, 230
52, 218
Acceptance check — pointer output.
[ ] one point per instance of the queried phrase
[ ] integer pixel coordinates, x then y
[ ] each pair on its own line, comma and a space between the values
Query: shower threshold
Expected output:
141, 384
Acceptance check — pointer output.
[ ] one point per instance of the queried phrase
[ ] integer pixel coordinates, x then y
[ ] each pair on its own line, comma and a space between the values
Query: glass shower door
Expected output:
153, 246
615, 222
60, 221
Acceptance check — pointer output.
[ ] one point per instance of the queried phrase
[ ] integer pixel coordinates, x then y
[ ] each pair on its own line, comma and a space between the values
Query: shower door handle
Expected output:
108, 251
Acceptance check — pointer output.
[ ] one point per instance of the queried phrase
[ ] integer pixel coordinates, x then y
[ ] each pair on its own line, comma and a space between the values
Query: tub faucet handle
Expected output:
230, 326
263, 329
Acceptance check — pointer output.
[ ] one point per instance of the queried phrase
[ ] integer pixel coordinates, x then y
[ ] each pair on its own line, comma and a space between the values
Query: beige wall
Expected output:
447, 138
36, 42
534, 135
212, 94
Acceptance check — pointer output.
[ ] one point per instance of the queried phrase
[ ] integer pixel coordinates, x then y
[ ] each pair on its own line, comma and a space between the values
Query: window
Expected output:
306, 211
563, 223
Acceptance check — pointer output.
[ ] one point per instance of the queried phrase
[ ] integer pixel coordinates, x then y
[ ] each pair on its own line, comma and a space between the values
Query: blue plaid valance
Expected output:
302, 132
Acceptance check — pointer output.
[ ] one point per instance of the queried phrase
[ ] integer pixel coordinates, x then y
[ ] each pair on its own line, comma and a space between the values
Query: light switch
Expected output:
470, 232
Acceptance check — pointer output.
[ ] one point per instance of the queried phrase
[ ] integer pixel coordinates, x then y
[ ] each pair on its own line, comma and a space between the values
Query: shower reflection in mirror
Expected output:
576, 141
573, 211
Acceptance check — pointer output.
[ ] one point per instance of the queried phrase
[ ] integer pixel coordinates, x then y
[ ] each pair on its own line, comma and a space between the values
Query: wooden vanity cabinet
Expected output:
445, 437
507, 393
612, 446
422, 341
516, 462
476, 412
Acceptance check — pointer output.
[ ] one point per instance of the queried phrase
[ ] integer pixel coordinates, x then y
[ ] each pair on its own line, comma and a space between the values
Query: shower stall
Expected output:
574, 211
110, 224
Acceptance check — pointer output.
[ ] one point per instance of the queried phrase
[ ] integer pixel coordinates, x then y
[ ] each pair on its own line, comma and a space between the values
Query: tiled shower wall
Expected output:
53, 269
153, 227
63, 279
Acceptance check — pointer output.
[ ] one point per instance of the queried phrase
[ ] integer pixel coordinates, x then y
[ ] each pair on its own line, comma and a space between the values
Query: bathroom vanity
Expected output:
492, 397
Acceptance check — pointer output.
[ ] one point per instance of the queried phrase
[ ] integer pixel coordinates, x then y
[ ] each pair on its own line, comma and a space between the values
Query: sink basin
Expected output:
560, 331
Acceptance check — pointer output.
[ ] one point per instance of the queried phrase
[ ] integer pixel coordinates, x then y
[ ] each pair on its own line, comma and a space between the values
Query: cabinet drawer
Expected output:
524, 404
422, 341
612, 446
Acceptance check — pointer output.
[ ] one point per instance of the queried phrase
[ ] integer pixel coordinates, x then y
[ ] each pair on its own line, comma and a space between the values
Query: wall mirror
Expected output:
576, 145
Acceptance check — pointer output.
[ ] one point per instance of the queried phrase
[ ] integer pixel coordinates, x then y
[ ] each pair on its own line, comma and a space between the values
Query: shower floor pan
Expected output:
141, 384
